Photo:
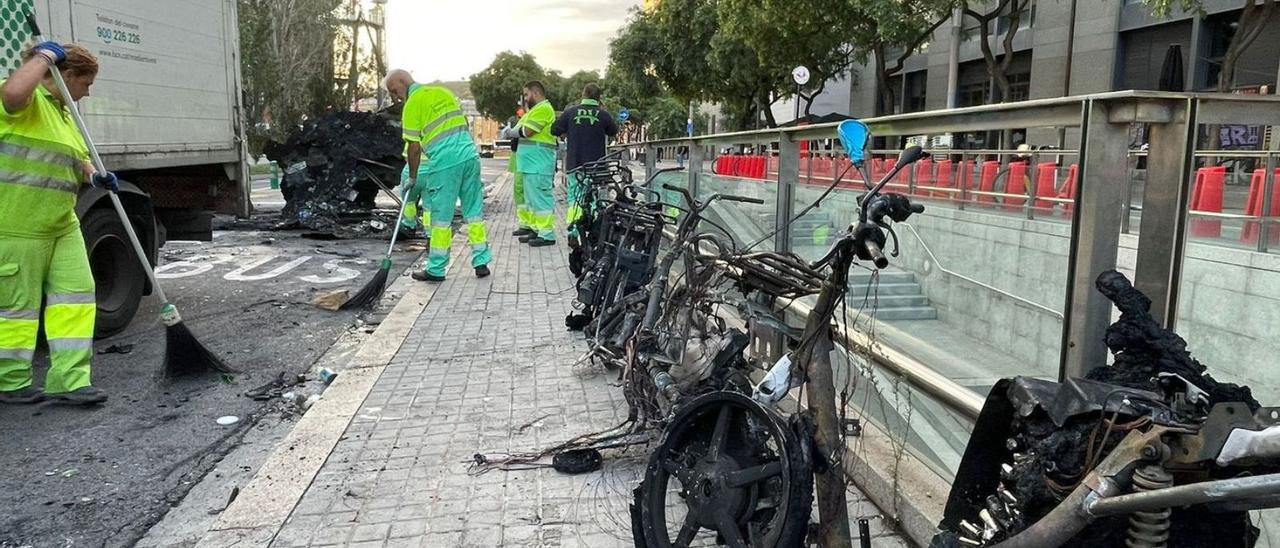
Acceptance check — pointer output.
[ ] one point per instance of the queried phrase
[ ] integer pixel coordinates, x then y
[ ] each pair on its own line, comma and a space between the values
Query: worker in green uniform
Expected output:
43, 162
443, 165
536, 162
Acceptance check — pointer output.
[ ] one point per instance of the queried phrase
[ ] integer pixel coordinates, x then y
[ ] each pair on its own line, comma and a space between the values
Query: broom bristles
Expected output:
184, 355
370, 293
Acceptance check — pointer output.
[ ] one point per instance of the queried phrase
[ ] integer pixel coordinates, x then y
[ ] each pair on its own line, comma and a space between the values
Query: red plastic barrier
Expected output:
990, 169
924, 176
1253, 206
1046, 184
1069, 188
877, 168
760, 167
1206, 195
944, 179
1016, 183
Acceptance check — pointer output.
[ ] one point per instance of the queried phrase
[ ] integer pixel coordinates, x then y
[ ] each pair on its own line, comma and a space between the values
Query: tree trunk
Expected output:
1253, 20
808, 105
887, 102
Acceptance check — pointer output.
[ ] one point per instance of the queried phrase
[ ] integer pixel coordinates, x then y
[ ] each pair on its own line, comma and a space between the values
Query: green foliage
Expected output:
1162, 8
497, 88
287, 71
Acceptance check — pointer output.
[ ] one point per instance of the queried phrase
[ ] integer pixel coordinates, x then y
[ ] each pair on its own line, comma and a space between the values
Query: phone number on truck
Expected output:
111, 35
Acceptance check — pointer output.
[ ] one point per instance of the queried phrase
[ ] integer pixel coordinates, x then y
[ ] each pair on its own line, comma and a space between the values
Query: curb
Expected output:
265, 503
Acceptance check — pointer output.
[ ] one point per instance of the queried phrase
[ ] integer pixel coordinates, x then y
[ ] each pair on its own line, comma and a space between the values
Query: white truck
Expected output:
165, 112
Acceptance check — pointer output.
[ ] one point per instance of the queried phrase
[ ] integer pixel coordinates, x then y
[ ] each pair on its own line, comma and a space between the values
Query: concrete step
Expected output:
860, 277
886, 302
910, 313
858, 291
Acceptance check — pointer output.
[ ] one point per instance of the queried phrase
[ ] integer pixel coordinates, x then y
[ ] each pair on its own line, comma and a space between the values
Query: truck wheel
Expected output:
120, 280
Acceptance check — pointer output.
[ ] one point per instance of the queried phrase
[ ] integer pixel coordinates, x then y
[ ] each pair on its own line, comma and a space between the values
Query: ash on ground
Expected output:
329, 166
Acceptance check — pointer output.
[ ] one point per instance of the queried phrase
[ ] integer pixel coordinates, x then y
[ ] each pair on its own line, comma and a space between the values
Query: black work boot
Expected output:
423, 276
87, 395
522, 231
29, 394
482, 271
525, 238
539, 242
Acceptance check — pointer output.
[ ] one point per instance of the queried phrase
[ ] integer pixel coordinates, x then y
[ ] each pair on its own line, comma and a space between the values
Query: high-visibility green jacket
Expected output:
537, 152
433, 117
41, 154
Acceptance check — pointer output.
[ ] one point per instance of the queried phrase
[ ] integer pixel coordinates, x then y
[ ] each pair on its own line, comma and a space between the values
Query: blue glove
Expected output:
106, 180
52, 50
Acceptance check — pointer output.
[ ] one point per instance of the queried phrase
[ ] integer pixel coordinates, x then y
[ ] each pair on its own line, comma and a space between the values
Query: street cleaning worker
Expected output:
536, 162
43, 161
587, 128
442, 165
524, 218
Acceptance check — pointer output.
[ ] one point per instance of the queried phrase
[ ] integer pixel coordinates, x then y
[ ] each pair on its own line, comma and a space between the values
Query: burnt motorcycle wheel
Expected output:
728, 470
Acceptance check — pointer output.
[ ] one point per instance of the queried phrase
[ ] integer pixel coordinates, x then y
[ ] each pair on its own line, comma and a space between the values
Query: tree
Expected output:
1252, 22
997, 68
287, 58
497, 88
570, 89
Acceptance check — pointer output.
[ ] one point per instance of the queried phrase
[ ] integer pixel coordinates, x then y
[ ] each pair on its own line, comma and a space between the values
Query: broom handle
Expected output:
396, 233
98, 165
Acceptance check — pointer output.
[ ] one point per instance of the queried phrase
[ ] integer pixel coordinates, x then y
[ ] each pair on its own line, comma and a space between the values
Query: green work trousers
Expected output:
55, 271
542, 205
443, 190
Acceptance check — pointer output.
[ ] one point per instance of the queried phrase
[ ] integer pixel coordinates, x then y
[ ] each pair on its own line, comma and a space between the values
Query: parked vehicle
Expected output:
166, 113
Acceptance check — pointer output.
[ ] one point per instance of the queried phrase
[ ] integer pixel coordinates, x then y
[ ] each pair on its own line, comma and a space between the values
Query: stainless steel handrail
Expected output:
983, 285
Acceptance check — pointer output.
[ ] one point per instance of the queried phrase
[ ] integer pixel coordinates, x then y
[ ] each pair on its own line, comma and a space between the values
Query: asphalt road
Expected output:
101, 476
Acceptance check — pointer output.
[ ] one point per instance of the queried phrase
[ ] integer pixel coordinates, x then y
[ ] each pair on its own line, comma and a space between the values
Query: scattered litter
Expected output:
228, 420
535, 422
327, 375
331, 300
269, 390
577, 461
310, 401
117, 349
50, 473
86, 499
69, 472
377, 225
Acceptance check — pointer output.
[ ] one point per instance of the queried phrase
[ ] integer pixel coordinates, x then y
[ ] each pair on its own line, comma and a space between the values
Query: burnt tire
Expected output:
117, 275
771, 511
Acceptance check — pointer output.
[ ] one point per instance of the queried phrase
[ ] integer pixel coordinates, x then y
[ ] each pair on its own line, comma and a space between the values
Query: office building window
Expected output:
917, 86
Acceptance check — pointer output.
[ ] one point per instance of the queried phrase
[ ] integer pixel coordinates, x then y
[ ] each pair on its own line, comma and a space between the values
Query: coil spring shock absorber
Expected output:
1149, 529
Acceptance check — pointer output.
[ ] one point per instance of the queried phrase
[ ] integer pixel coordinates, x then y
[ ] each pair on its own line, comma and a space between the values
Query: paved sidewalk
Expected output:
487, 367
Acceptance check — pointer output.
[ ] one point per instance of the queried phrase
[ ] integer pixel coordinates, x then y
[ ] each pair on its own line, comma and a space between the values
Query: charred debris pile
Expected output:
329, 166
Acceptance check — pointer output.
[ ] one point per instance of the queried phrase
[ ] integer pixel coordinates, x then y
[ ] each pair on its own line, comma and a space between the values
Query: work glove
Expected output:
106, 180
52, 51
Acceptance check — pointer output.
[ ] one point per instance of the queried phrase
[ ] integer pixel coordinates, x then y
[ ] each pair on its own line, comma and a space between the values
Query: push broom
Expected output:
184, 355
372, 291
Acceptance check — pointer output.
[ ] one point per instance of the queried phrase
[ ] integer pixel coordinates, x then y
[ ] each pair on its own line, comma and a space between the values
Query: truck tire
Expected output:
119, 279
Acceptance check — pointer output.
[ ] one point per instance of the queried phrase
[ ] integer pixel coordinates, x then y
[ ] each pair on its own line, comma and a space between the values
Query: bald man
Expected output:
442, 165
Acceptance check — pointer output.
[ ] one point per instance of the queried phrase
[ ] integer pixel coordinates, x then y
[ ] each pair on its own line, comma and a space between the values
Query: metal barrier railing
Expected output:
1098, 136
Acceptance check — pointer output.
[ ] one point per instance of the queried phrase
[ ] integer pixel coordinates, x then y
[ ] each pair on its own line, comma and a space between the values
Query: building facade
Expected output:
1117, 45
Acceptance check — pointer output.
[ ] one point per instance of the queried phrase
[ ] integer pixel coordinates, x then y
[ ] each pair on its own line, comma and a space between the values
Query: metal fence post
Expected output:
1162, 228
1095, 239
1268, 183
694, 165
650, 160
788, 178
